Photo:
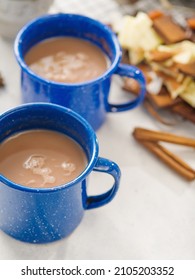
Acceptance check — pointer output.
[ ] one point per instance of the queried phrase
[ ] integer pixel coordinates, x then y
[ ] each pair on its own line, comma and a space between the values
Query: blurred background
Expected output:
15, 13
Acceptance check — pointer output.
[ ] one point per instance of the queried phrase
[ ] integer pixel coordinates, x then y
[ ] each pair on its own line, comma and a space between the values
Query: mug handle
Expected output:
111, 168
134, 73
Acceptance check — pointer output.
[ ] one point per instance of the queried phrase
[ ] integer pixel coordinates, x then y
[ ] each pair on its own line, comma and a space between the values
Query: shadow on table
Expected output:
12, 249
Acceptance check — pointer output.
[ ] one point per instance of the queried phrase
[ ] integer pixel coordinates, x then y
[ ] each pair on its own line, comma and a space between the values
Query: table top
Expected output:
152, 215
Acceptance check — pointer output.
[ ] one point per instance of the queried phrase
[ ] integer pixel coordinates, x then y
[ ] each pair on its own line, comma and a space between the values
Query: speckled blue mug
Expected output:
89, 99
38, 215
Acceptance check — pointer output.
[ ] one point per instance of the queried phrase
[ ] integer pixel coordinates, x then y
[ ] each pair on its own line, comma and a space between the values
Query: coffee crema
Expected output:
67, 60
41, 158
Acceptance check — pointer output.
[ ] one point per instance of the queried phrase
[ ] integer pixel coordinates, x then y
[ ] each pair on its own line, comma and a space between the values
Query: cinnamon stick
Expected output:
170, 159
150, 135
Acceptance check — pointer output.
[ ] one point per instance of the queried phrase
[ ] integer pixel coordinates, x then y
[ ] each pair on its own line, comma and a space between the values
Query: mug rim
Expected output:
44, 18
86, 170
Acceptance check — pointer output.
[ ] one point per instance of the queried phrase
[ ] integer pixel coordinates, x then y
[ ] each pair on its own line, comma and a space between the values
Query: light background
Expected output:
152, 216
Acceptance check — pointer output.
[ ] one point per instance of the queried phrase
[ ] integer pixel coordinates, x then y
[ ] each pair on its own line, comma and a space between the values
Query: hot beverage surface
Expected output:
67, 60
41, 159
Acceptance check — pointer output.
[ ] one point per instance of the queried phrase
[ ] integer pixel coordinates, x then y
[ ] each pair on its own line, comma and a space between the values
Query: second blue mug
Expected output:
41, 215
89, 99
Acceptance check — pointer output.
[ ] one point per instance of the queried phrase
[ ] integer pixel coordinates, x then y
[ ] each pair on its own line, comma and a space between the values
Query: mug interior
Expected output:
55, 118
73, 25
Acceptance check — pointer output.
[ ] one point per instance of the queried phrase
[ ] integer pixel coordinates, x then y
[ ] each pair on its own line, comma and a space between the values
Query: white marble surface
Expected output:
152, 216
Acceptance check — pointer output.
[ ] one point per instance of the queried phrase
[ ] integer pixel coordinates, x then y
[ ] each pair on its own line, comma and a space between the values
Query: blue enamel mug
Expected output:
40, 215
89, 99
